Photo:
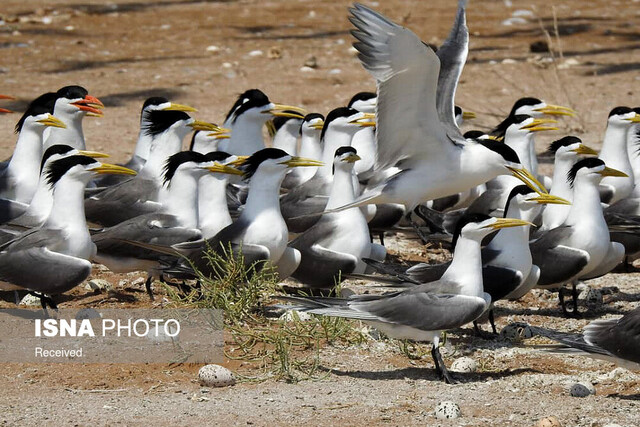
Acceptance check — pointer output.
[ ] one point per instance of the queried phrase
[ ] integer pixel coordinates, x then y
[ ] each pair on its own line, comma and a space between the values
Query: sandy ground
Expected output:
203, 53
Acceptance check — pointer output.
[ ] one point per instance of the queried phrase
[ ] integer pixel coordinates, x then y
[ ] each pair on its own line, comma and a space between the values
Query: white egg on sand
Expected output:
215, 376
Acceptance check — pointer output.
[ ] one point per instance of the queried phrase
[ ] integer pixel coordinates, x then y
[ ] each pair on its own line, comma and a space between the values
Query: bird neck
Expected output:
143, 146
264, 194
513, 237
72, 135
287, 138
310, 146
585, 207
332, 141
466, 267
179, 197
42, 200
213, 213
560, 185
614, 148
67, 211
25, 162
521, 145
164, 145
246, 137
478, 165
342, 191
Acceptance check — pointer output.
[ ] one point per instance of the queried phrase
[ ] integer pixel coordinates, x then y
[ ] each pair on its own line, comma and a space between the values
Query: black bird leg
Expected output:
45, 301
381, 237
492, 321
441, 369
574, 294
147, 285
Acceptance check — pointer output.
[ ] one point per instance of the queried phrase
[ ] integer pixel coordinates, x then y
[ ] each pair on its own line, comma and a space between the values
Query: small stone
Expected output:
255, 53
464, 364
30, 301
293, 316
213, 49
335, 71
592, 297
306, 69
582, 389
311, 62
98, 285
274, 53
516, 332
227, 65
447, 410
215, 376
551, 421
509, 61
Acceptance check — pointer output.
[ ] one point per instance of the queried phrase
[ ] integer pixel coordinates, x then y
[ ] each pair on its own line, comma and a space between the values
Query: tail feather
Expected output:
573, 342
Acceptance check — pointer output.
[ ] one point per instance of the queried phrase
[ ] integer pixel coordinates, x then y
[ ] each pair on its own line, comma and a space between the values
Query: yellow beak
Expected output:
206, 126
468, 115
94, 154
508, 222
240, 160
367, 119
318, 125
53, 122
583, 149
352, 158
113, 169
529, 180
280, 110
607, 171
549, 199
556, 110
301, 161
634, 119
179, 107
219, 168
536, 125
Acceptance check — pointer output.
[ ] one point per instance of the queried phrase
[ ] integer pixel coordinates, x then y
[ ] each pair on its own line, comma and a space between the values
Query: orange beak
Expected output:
7, 97
90, 104
4, 110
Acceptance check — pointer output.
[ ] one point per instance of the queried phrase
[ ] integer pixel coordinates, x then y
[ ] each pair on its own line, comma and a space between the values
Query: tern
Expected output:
55, 257
310, 148
71, 106
434, 160
614, 340
581, 247
422, 312
338, 242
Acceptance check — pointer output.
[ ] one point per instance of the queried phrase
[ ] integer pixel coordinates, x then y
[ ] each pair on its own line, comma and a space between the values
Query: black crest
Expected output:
72, 92
527, 101
174, 162
501, 129
362, 96
58, 168
313, 116
464, 220
251, 98
474, 134
501, 148
618, 111
336, 114
457, 111
43, 104
53, 150
591, 162
154, 100
563, 142
522, 190
217, 156
158, 121
343, 150
250, 166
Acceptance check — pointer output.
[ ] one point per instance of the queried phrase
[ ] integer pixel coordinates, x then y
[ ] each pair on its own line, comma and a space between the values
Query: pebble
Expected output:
274, 52
551, 421
213, 48
447, 410
306, 69
464, 364
311, 62
215, 376
582, 389
30, 301
98, 285
254, 53
516, 332
292, 316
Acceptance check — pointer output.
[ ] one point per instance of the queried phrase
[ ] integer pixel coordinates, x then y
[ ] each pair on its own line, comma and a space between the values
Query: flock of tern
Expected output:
310, 202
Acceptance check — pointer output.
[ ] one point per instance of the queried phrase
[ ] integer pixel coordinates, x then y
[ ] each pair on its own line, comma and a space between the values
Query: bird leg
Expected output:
482, 334
492, 321
381, 237
574, 294
441, 369
44, 301
147, 285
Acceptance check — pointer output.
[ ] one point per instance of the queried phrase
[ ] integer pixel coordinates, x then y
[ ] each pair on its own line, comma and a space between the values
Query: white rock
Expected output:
523, 13
612, 425
256, 53
292, 316
227, 65
98, 285
213, 48
306, 69
30, 300
582, 389
509, 61
447, 410
514, 21
516, 331
335, 71
464, 364
215, 376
